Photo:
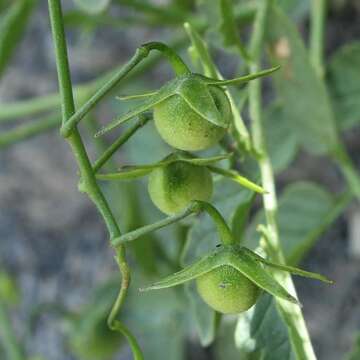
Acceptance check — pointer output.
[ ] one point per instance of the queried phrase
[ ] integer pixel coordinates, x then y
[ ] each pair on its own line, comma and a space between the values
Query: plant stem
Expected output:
119, 142
221, 225
12, 349
89, 184
317, 31
133, 235
140, 54
291, 313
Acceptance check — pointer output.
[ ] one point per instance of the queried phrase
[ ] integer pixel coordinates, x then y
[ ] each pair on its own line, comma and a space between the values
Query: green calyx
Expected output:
229, 280
191, 112
182, 127
173, 187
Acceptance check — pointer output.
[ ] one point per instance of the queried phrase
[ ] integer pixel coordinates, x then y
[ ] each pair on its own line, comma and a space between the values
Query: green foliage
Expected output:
9, 291
93, 6
193, 112
343, 80
305, 210
12, 28
253, 329
303, 95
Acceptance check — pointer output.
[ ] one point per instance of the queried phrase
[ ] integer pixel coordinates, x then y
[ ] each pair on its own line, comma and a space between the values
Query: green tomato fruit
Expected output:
173, 187
227, 291
182, 128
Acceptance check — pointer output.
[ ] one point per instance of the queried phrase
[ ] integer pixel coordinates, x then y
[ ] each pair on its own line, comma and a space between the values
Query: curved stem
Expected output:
140, 54
223, 229
89, 184
175, 60
115, 324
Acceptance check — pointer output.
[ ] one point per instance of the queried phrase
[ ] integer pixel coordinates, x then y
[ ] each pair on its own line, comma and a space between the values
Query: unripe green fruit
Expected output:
173, 187
182, 128
227, 291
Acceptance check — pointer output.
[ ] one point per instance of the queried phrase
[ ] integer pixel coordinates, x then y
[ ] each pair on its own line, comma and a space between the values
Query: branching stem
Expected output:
88, 180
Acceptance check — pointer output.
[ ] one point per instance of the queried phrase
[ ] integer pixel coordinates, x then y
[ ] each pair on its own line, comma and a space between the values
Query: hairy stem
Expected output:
291, 313
88, 180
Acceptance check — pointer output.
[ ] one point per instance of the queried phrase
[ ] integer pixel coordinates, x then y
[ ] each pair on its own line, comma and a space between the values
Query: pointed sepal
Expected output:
191, 272
169, 89
252, 269
289, 269
130, 172
197, 95
242, 79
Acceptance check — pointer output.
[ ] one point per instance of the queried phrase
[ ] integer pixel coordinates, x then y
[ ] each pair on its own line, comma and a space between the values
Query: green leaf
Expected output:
12, 27
204, 317
305, 211
355, 352
304, 97
281, 141
230, 29
262, 333
297, 10
343, 78
92, 6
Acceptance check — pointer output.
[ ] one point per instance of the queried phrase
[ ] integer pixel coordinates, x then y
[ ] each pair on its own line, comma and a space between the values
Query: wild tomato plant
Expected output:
225, 266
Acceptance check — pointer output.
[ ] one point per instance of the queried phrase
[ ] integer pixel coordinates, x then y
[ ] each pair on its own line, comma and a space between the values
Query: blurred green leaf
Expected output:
304, 96
305, 211
294, 8
12, 27
224, 346
88, 334
261, 333
9, 291
92, 6
281, 141
205, 318
343, 78
355, 352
